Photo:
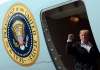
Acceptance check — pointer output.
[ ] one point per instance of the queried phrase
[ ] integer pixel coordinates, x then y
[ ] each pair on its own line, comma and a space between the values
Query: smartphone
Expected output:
57, 23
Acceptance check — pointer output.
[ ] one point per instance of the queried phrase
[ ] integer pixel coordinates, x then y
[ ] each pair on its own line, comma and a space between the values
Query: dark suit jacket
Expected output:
81, 55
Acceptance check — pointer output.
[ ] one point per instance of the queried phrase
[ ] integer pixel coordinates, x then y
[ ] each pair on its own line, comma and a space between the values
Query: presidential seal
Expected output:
20, 35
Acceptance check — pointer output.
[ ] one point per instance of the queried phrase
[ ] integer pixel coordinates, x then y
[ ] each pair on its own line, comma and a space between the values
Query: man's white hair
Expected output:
84, 30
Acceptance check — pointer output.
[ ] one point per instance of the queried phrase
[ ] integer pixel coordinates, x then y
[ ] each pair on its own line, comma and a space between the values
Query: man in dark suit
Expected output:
85, 52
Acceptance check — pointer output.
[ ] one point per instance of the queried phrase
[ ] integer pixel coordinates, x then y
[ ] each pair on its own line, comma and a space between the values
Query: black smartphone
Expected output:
65, 25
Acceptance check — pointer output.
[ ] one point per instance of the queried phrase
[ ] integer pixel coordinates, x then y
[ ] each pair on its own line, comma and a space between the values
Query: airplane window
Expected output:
69, 37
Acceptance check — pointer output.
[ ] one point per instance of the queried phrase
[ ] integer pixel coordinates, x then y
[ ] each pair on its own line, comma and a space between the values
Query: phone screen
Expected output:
66, 25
